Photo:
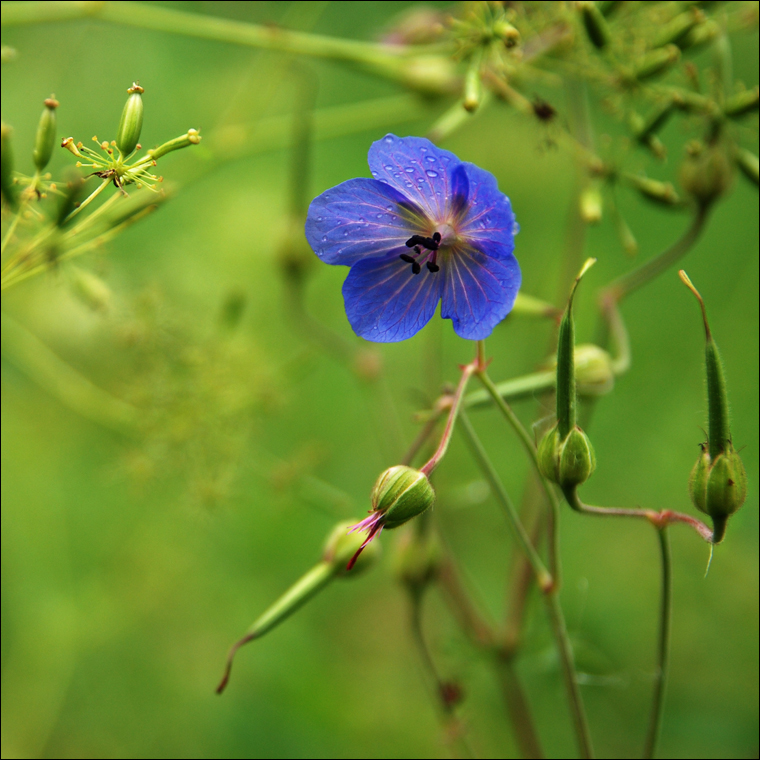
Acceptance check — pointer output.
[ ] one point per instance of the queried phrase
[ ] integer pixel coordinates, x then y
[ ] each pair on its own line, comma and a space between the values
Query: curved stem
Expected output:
663, 646
659, 519
623, 286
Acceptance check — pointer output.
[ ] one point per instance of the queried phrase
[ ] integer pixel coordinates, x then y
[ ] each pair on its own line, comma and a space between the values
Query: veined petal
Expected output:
417, 169
356, 219
386, 302
488, 218
479, 289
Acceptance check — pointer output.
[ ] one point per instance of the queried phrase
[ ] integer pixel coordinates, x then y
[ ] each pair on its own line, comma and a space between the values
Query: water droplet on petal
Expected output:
389, 208
388, 168
409, 169
430, 158
431, 173
515, 228
324, 238
388, 139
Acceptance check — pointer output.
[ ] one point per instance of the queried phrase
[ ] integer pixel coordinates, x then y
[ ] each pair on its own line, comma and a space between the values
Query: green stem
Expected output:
545, 580
545, 583
11, 229
567, 661
514, 389
528, 445
658, 519
663, 647
625, 285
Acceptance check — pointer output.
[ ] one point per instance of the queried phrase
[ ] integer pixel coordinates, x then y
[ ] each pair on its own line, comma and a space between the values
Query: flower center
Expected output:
425, 251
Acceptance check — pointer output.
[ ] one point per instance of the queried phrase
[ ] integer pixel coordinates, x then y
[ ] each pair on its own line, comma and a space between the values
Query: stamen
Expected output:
415, 268
432, 267
406, 257
437, 237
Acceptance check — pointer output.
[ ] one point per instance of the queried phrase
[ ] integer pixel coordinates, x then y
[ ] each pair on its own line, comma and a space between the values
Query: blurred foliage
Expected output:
182, 424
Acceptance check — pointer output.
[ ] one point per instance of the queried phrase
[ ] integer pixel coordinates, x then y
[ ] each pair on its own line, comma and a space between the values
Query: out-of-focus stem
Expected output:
663, 646
63, 382
625, 285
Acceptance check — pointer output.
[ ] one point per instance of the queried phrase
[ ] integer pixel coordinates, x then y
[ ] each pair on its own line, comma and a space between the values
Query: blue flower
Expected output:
427, 228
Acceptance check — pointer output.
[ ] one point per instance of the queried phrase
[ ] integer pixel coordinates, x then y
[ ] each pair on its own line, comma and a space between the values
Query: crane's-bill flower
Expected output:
427, 228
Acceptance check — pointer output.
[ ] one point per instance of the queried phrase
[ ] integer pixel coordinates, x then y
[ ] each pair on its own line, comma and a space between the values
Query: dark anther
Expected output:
432, 267
431, 243
417, 249
406, 257
416, 268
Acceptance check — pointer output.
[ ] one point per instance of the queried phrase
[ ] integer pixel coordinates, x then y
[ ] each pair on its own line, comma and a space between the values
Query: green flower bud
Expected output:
341, 546
473, 86
6, 167
748, 163
718, 487
569, 462
69, 200
656, 62
701, 34
45, 141
400, 494
706, 172
595, 24
506, 33
183, 141
644, 129
90, 289
131, 121
742, 103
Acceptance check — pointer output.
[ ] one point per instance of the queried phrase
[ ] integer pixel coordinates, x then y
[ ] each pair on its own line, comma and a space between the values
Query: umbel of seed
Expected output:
418, 242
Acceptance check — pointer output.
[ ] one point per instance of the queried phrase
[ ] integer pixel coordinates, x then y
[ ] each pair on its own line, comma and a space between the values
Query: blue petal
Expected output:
488, 218
479, 289
358, 218
416, 168
386, 302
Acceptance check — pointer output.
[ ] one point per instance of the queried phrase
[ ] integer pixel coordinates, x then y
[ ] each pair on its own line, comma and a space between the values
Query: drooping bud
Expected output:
400, 494
6, 167
595, 24
706, 172
718, 482
473, 86
568, 461
45, 140
748, 164
130, 125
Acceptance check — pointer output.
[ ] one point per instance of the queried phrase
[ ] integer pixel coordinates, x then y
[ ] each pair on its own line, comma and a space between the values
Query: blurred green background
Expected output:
130, 566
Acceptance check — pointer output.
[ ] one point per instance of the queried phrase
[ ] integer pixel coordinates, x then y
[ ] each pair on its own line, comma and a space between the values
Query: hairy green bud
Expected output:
718, 487
130, 125
568, 461
400, 494
45, 140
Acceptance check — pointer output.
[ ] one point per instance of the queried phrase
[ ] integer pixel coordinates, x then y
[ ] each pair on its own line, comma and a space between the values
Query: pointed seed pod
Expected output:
718, 482
46, 129
130, 125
